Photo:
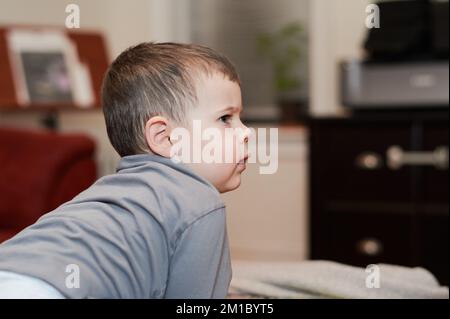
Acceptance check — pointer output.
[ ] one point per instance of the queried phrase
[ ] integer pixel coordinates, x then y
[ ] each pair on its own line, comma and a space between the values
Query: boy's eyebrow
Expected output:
231, 108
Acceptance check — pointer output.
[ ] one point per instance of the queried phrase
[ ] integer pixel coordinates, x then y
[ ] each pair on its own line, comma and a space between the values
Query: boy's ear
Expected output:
157, 135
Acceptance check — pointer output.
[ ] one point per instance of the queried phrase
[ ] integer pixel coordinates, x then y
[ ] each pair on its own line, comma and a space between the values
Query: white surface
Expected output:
17, 286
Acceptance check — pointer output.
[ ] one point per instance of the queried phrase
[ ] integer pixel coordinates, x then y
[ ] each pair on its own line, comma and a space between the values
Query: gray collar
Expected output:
143, 161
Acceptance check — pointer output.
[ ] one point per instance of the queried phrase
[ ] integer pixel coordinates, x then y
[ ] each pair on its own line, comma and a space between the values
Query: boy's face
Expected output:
219, 107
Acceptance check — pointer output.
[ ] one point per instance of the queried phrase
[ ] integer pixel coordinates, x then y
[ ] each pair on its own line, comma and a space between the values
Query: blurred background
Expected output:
359, 94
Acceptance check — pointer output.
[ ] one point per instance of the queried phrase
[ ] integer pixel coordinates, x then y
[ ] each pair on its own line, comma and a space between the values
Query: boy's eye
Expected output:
225, 119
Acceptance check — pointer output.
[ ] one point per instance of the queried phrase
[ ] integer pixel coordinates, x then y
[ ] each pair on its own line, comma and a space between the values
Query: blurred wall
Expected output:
336, 32
233, 27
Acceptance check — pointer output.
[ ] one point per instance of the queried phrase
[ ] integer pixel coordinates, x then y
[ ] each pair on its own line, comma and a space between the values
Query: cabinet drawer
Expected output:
351, 162
363, 238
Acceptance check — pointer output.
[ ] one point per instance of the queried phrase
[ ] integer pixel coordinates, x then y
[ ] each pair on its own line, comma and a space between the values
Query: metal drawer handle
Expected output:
369, 161
397, 157
369, 247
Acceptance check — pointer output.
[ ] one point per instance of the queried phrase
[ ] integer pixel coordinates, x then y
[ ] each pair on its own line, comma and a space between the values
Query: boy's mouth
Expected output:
242, 163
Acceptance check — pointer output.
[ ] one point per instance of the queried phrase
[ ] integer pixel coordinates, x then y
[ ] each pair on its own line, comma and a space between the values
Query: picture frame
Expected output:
46, 69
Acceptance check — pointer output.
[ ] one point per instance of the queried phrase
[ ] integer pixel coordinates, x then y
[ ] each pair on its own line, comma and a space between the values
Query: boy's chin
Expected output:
231, 185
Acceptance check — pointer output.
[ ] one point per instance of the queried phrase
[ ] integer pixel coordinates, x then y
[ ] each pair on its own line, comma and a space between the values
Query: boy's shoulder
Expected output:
149, 186
172, 183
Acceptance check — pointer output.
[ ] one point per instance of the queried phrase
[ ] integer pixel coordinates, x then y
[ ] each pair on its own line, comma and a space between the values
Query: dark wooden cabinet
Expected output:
379, 190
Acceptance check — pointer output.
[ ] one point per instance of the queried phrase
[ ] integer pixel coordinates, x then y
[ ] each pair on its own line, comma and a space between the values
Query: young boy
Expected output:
156, 228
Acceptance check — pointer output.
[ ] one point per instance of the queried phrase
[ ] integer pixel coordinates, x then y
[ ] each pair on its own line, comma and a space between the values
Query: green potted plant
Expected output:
284, 49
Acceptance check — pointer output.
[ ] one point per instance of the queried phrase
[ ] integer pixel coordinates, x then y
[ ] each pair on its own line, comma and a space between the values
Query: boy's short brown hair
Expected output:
152, 79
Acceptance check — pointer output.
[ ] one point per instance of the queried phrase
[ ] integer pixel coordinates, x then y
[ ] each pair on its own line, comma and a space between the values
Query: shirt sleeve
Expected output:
200, 266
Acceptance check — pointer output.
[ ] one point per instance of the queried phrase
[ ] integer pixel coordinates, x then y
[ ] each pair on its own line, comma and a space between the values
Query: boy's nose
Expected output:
246, 133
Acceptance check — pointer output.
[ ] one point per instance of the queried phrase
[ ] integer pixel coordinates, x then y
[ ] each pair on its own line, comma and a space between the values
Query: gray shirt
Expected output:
152, 230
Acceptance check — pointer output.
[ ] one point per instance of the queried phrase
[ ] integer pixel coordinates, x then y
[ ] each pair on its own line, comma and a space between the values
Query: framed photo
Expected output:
46, 77
46, 69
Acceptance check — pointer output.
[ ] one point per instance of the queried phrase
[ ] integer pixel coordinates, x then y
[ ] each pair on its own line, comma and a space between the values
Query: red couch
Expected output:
39, 171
